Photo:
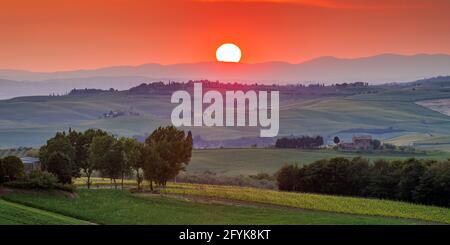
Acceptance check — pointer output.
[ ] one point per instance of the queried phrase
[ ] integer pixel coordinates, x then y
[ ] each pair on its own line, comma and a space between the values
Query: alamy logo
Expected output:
241, 109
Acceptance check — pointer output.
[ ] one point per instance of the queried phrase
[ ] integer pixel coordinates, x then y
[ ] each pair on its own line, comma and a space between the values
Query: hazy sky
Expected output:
50, 35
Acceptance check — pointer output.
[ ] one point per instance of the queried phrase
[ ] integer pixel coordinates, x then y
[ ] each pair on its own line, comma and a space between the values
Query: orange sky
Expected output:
49, 35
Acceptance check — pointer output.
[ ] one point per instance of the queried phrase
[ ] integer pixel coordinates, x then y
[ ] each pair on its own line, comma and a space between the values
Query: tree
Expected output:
336, 140
115, 167
358, 174
173, 149
335, 178
2, 172
328, 176
384, 179
99, 152
152, 164
390, 147
190, 140
133, 157
303, 142
376, 144
286, 177
434, 185
11, 168
60, 165
413, 180
412, 171
81, 143
59, 143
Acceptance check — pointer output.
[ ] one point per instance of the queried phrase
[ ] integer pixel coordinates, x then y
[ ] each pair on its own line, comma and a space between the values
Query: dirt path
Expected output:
221, 200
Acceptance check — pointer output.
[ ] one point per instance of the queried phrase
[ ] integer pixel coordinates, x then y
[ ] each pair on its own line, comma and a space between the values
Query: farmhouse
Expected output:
361, 142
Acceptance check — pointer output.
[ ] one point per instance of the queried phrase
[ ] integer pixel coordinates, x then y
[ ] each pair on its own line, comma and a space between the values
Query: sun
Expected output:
228, 52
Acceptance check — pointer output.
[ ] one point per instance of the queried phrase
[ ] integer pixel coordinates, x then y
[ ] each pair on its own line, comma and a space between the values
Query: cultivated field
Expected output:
337, 204
233, 162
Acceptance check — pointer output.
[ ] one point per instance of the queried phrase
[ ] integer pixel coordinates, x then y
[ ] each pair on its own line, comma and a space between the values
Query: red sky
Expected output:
49, 35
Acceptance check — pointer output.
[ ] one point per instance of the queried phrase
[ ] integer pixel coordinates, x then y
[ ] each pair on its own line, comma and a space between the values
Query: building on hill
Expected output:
360, 142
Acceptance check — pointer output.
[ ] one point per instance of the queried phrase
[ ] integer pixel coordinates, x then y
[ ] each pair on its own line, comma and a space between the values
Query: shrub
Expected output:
11, 168
37, 179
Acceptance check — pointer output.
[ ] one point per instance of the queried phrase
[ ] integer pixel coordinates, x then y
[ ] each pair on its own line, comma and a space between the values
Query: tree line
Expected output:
304, 142
411, 180
160, 158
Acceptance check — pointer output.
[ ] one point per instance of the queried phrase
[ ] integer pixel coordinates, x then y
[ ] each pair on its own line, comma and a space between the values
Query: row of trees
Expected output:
163, 155
11, 168
304, 142
375, 144
412, 180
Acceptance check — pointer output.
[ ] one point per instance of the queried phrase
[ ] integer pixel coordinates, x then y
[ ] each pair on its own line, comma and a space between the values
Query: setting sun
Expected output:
228, 52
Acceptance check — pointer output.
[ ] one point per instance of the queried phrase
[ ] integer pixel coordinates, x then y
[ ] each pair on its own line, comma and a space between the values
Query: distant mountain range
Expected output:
383, 68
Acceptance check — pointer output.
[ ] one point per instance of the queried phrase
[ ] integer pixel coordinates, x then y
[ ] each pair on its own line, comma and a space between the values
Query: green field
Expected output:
407, 139
17, 214
104, 206
233, 162
423, 141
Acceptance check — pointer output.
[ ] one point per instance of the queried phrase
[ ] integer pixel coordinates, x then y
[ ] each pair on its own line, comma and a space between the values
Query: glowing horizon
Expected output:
53, 35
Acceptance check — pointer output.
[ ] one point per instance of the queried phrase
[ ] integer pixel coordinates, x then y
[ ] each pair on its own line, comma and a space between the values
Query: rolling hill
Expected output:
103, 206
387, 112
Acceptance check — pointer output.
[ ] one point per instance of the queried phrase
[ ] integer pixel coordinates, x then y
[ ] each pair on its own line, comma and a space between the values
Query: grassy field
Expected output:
104, 206
407, 139
328, 203
252, 161
17, 214
329, 115
337, 204
423, 141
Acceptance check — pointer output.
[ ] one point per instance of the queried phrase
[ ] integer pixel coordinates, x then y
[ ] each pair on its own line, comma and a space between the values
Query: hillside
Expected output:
17, 214
384, 111
103, 206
